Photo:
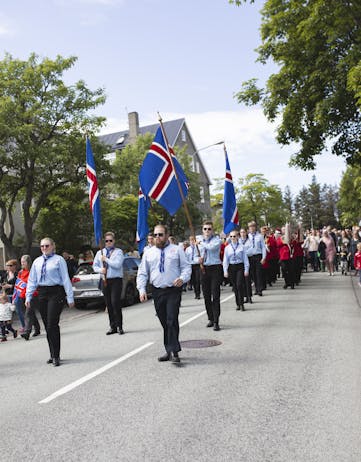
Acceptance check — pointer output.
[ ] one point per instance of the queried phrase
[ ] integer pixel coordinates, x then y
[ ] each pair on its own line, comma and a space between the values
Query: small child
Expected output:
357, 262
6, 314
343, 259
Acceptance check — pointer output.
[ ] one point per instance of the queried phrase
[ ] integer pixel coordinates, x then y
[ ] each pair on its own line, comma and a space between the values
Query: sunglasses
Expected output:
234, 236
45, 245
207, 229
158, 234
108, 240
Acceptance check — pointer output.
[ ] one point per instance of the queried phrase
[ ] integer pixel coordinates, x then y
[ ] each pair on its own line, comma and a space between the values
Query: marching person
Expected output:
166, 267
211, 278
244, 240
193, 259
285, 251
236, 266
49, 276
257, 256
109, 263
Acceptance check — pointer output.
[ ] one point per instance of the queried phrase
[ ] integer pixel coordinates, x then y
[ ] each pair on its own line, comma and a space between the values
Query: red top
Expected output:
297, 248
284, 250
23, 275
357, 261
273, 249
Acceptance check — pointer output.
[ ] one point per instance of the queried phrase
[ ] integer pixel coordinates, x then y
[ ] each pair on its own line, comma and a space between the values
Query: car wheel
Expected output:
129, 296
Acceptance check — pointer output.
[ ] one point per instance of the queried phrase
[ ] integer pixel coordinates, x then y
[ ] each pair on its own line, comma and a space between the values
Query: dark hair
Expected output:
160, 225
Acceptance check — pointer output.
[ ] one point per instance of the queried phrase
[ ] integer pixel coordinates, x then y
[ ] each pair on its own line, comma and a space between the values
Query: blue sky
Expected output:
182, 58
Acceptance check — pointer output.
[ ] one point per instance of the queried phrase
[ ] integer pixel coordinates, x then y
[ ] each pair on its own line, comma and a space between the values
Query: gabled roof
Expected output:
172, 129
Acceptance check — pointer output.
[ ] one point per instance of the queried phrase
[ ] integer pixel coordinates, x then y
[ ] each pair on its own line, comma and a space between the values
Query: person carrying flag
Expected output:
236, 266
109, 263
212, 276
166, 268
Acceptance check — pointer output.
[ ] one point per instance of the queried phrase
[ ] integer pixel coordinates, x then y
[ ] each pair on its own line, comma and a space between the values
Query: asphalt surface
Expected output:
284, 384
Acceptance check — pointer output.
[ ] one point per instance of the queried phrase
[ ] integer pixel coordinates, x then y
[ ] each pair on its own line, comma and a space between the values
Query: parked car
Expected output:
86, 284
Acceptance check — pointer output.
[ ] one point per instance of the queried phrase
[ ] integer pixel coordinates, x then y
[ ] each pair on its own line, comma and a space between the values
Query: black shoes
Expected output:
210, 324
56, 362
176, 358
25, 335
242, 308
216, 326
49, 361
165, 357
238, 308
15, 333
36, 333
248, 300
121, 331
111, 332
197, 297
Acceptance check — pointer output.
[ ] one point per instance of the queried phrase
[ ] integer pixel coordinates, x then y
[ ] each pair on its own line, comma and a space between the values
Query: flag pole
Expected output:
186, 210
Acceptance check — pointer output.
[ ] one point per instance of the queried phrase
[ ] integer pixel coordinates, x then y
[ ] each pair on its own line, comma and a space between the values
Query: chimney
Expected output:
133, 120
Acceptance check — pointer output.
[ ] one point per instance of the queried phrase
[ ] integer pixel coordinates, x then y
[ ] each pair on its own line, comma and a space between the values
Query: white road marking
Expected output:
202, 313
86, 378
90, 376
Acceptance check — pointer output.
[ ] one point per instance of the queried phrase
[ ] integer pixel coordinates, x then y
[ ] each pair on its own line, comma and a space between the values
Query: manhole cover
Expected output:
200, 343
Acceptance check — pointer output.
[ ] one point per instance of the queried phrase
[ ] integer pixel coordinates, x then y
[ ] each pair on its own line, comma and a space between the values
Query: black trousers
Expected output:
51, 302
30, 316
112, 294
255, 271
297, 268
167, 302
236, 275
211, 288
287, 272
196, 279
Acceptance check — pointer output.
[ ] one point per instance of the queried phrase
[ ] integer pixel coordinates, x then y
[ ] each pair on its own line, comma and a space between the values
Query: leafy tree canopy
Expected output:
317, 90
42, 126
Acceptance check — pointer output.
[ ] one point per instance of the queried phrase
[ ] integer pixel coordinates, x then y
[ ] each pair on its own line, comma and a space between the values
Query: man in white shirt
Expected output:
167, 269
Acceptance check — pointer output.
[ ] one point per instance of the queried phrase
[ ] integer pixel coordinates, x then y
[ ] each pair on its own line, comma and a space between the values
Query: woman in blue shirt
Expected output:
49, 275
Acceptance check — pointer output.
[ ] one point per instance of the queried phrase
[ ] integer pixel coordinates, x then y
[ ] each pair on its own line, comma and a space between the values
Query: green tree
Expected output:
317, 90
349, 203
67, 219
42, 127
125, 169
260, 201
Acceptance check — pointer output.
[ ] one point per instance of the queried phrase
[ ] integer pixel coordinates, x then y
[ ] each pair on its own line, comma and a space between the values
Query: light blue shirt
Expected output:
114, 262
257, 245
234, 254
56, 275
246, 243
210, 249
175, 266
192, 255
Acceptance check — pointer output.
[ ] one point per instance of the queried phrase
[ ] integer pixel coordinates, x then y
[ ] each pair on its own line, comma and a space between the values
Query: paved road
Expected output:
284, 385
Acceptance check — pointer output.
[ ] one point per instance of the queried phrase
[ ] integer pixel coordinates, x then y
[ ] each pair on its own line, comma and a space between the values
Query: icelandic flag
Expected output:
157, 177
19, 287
94, 197
142, 220
230, 212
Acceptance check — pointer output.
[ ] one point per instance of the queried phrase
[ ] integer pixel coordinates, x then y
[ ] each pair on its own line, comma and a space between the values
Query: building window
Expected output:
201, 192
183, 136
195, 165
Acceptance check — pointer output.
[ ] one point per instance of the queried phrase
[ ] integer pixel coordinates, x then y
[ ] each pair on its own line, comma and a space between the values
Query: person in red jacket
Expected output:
297, 257
285, 251
357, 262
20, 292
